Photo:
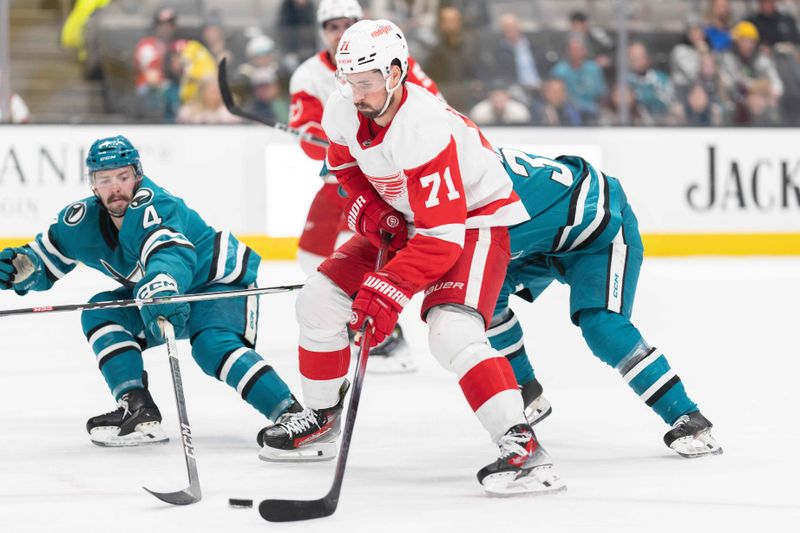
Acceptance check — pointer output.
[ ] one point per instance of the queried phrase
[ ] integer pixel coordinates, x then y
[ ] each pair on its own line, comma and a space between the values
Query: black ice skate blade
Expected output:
181, 497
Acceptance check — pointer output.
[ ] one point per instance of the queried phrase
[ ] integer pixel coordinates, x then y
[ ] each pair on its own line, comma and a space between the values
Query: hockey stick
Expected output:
294, 510
233, 109
191, 494
146, 301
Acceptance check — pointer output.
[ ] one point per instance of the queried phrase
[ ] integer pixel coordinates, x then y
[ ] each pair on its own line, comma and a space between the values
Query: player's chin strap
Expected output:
390, 93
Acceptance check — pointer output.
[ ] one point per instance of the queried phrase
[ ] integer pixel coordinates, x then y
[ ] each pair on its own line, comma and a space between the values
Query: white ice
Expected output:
728, 326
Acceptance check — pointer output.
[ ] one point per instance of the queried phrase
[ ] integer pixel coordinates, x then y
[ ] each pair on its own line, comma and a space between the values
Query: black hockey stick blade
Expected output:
181, 497
295, 510
233, 109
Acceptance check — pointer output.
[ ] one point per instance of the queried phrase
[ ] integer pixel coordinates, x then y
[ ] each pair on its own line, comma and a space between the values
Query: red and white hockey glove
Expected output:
368, 214
379, 298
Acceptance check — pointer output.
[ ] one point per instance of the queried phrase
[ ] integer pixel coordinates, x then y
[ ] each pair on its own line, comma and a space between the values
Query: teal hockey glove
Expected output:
159, 286
15, 268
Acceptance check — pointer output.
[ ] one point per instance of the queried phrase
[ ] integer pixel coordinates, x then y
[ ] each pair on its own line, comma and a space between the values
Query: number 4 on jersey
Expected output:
435, 181
151, 218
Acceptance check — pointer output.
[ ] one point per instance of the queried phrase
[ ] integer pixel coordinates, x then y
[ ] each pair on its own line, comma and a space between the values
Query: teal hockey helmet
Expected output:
113, 152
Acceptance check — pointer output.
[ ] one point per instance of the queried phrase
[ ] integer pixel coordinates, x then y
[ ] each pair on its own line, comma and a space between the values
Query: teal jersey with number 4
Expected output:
574, 208
159, 234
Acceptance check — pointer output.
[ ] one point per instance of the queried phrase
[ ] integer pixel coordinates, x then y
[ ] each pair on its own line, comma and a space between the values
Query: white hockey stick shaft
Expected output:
192, 493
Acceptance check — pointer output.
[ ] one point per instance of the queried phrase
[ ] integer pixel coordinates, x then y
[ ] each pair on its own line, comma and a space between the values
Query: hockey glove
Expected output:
14, 268
159, 286
382, 299
368, 214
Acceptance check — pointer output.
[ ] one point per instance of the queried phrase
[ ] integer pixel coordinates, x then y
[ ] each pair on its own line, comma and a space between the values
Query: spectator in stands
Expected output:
623, 96
157, 99
213, 36
514, 61
745, 68
652, 88
700, 109
265, 98
260, 52
297, 31
197, 63
583, 78
780, 40
599, 44
719, 20
773, 26
685, 58
153, 51
554, 107
206, 107
417, 19
499, 108
474, 13
709, 78
454, 62
760, 109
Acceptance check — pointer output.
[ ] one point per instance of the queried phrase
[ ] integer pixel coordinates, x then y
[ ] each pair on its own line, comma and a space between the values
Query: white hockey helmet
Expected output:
338, 9
370, 45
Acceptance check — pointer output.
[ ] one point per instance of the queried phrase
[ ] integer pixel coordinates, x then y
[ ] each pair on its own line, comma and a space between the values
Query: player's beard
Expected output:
368, 111
120, 209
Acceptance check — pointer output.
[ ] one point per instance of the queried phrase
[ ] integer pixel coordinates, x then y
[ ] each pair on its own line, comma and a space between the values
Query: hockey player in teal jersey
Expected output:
152, 244
583, 233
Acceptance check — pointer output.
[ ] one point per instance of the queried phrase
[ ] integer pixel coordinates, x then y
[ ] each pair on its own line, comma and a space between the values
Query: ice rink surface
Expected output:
728, 326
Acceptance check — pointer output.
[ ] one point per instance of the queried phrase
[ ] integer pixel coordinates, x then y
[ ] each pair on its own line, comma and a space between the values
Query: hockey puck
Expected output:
239, 502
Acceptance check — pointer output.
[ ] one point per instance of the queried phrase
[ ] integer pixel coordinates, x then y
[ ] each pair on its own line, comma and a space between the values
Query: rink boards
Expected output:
695, 191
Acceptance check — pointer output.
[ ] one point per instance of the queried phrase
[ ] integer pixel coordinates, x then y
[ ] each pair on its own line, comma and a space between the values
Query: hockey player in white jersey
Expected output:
325, 228
416, 168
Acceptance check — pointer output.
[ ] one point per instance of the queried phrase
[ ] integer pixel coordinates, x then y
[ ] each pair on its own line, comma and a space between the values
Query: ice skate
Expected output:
691, 437
136, 421
522, 468
392, 356
537, 408
302, 435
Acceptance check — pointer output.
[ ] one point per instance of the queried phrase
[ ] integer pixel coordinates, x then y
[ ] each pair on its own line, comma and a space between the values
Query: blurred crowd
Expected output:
721, 70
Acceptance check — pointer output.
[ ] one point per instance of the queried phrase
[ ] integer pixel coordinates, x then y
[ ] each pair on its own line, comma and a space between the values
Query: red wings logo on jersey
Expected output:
390, 187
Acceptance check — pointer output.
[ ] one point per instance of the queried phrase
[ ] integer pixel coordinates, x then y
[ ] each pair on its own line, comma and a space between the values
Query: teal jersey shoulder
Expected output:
160, 233
573, 206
